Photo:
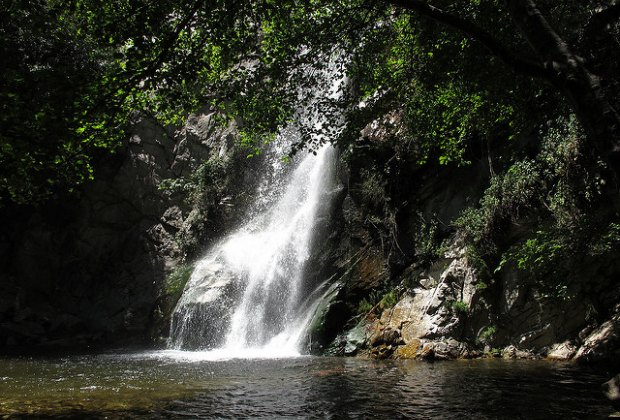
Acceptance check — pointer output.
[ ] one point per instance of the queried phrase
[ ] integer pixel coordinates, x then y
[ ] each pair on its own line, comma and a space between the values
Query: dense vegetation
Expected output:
73, 71
455, 73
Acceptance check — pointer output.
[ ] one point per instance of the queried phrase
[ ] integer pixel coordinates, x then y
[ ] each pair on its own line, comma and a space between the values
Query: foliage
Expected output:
430, 245
378, 299
543, 257
544, 216
74, 70
374, 193
372, 188
47, 79
508, 198
487, 334
365, 306
459, 308
208, 179
205, 191
389, 299
552, 258
550, 184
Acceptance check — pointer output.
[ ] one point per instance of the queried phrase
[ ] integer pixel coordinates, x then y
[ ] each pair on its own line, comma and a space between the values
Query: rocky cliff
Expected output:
414, 284
105, 266
411, 277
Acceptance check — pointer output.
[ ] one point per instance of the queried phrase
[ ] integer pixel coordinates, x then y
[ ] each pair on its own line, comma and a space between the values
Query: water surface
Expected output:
185, 384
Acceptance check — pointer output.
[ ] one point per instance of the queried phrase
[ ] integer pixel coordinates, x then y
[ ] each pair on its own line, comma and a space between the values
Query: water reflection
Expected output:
154, 385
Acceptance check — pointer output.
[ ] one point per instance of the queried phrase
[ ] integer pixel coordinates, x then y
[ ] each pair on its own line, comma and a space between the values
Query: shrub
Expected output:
488, 334
378, 299
429, 243
372, 188
368, 303
551, 186
389, 299
460, 308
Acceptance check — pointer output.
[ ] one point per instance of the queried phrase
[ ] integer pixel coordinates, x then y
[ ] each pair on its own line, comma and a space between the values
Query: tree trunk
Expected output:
582, 88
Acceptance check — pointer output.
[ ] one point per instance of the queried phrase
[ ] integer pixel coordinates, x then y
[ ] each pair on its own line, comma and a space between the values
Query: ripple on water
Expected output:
157, 385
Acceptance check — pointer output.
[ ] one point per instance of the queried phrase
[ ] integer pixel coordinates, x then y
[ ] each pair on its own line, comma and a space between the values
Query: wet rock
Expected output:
422, 313
355, 339
204, 310
388, 335
611, 389
428, 351
512, 352
562, 351
449, 349
96, 265
327, 322
512, 310
444, 351
409, 350
383, 351
469, 353
602, 344
492, 352
427, 283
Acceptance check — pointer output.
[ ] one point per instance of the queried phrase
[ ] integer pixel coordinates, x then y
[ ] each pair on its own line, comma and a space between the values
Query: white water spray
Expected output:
248, 296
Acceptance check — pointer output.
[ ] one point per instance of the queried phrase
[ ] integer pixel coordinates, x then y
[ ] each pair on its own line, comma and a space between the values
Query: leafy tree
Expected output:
47, 77
578, 72
457, 69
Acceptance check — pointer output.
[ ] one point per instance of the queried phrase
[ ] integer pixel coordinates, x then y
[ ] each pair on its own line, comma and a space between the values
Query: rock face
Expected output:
611, 389
603, 343
405, 294
217, 291
400, 281
91, 270
429, 318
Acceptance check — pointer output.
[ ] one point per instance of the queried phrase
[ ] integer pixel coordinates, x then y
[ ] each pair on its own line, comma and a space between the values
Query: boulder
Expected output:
562, 351
208, 296
603, 343
355, 339
409, 350
611, 389
512, 352
388, 335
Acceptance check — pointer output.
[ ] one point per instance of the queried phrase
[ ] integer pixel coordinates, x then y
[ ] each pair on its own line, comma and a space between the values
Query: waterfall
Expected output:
248, 297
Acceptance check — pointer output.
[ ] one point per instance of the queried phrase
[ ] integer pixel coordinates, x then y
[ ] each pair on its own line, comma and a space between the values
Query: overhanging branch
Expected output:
495, 46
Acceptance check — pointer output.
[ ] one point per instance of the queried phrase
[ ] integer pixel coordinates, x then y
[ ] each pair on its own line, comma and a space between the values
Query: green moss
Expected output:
176, 281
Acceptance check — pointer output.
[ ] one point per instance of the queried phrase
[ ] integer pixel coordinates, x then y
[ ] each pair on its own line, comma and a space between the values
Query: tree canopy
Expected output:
73, 71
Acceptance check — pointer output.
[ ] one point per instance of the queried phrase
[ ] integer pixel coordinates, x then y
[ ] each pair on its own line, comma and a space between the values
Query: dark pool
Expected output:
177, 385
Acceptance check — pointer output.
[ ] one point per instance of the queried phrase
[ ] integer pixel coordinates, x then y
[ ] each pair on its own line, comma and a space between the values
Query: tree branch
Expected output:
169, 42
495, 46
538, 33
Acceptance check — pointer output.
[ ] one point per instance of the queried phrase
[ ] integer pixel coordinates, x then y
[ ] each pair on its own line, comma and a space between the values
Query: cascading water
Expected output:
248, 296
